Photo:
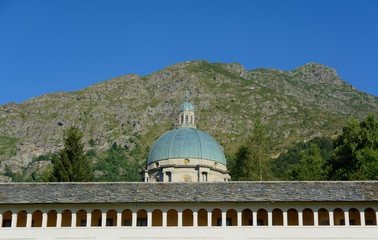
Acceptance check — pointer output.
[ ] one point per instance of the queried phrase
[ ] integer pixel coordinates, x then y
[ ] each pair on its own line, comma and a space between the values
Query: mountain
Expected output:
135, 110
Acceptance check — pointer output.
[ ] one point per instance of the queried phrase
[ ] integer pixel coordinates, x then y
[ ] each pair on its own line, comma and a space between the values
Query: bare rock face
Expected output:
317, 73
129, 110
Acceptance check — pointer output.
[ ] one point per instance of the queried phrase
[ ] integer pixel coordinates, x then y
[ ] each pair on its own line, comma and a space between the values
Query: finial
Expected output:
187, 94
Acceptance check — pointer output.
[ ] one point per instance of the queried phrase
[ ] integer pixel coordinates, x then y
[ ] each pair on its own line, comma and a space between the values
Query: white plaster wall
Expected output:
232, 233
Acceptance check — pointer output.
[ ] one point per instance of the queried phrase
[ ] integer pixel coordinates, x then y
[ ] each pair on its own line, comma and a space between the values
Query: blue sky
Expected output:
49, 46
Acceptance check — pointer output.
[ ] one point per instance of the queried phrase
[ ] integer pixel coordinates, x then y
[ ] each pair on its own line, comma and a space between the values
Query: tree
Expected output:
355, 155
71, 164
282, 167
119, 164
311, 166
252, 158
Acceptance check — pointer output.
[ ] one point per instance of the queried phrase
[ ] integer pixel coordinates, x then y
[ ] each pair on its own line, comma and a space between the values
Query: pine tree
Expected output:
252, 158
71, 164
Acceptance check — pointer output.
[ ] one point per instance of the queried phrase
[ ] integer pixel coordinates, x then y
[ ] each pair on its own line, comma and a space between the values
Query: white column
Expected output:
165, 177
270, 219
316, 220
149, 219
376, 218
239, 219
209, 219
300, 218
1, 220
119, 219
29, 218
89, 219
331, 223
179, 220
14, 220
103, 219
44, 219
346, 217
195, 219
285, 220
224, 219
73, 220
362, 217
164, 219
59, 219
134, 219
254, 218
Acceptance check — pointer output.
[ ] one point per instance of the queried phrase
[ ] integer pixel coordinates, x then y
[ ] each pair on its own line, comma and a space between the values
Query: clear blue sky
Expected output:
49, 46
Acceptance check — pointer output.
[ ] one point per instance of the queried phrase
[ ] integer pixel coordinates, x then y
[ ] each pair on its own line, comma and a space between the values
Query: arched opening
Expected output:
338, 217
96, 220
81, 218
216, 219
202, 217
7, 219
37, 219
231, 217
142, 218
292, 217
21, 218
51, 218
186, 119
323, 217
157, 218
187, 218
66, 218
127, 217
247, 217
111, 218
370, 218
172, 218
354, 217
191, 119
262, 217
277, 216
308, 217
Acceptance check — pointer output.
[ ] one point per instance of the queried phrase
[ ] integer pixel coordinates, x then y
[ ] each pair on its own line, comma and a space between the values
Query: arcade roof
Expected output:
126, 192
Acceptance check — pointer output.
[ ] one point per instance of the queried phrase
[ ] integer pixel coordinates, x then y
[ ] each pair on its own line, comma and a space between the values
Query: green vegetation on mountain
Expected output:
132, 111
71, 164
310, 167
119, 165
283, 165
252, 159
355, 155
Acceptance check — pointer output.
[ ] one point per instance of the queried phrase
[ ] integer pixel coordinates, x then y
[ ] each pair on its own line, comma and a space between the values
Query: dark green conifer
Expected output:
71, 165
252, 161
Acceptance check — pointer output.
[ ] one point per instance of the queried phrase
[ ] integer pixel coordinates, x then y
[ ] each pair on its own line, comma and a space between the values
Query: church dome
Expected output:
186, 106
186, 143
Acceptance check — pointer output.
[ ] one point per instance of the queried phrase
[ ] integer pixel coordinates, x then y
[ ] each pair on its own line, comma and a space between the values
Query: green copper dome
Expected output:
186, 143
186, 106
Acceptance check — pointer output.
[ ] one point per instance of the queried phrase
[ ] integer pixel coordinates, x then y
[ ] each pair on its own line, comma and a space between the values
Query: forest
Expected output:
352, 155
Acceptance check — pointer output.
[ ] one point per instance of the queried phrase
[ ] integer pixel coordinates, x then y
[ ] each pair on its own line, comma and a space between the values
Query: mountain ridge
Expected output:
296, 105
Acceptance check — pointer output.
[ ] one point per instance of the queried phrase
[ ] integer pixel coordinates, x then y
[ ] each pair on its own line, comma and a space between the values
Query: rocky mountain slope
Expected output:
296, 105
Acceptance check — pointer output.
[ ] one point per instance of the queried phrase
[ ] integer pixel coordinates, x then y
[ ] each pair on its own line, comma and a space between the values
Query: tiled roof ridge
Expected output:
186, 183
131, 192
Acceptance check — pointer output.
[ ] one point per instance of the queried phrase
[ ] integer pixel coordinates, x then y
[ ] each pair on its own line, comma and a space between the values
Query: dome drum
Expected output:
173, 170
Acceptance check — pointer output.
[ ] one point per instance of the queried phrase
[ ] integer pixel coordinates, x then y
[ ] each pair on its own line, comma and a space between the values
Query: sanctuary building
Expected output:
186, 193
